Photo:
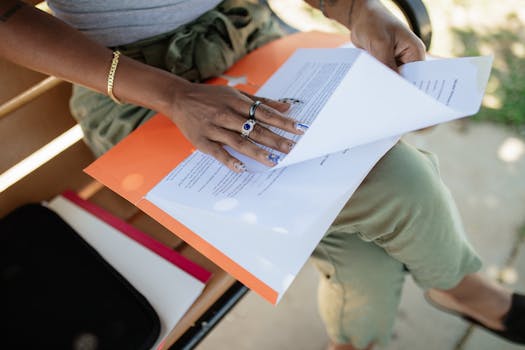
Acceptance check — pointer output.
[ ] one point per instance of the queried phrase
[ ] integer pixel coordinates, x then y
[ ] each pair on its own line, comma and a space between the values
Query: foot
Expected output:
478, 298
513, 328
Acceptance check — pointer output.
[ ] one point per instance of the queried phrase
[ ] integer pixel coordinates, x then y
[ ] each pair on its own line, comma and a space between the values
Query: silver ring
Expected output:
247, 127
253, 108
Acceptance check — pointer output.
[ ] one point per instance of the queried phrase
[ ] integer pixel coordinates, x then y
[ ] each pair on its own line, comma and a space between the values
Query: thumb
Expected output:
410, 50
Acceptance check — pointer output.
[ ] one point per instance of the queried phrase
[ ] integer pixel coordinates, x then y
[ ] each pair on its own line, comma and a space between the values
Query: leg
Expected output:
426, 234
404, 207
477, 297
359, 290
103, 122
404, 210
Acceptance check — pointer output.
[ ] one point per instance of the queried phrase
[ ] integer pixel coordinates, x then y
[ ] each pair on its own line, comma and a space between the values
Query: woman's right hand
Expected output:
209, 116
212, 117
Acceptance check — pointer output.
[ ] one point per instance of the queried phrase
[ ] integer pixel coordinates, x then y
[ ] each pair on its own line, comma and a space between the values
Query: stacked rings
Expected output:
249, 124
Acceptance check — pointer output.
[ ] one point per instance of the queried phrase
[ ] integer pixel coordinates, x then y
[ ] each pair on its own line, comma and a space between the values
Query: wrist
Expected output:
146, 86
171, 95
356, 9
342, 11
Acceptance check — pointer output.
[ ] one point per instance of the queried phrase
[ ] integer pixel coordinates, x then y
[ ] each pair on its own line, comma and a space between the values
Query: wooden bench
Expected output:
43, 155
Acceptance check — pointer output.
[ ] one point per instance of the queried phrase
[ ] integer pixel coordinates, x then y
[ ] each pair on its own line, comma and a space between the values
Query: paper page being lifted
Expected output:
369, 101
269, 220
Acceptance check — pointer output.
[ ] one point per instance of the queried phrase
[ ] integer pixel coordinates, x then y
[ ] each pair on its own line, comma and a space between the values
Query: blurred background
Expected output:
460, 28
482, 160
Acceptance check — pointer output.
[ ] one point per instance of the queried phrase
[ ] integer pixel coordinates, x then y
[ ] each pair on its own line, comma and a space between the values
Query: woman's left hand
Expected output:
375, 29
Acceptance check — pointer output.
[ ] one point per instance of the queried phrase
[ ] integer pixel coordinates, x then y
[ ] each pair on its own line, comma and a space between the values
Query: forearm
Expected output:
343, 11
210, 117
41, 42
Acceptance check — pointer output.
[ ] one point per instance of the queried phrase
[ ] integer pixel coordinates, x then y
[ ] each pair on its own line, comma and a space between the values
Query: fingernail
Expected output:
274, 158
301, 127
290, 146
290, 100
240, 167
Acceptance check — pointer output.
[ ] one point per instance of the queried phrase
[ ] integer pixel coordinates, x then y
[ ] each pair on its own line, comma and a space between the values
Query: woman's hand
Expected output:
212, 117
375, 29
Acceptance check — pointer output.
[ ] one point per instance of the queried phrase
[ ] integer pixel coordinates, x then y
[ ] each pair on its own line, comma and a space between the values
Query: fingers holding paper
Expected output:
212, 117
378, 31
374, 28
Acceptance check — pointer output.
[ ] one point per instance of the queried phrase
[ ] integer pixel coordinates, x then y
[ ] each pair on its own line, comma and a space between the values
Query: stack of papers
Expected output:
262, 226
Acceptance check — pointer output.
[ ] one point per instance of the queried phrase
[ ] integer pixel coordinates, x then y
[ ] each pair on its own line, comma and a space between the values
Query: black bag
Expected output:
57, 292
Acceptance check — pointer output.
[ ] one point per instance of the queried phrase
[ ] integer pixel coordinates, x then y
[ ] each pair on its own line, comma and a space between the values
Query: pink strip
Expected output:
170, 255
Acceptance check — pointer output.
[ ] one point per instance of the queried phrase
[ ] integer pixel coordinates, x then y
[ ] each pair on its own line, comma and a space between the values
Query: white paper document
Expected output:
357, 100
269, 220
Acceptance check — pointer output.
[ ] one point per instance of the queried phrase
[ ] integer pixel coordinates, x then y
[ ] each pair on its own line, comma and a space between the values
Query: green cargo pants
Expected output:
401, 218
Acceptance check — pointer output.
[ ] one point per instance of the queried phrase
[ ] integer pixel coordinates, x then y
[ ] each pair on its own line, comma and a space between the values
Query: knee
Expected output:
409, 184
411, 176
403, 188
357, 316
359, 289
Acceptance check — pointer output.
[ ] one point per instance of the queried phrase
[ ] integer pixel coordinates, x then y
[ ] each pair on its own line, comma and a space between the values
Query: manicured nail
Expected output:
290, 100
240, 167
301, 127
274, 158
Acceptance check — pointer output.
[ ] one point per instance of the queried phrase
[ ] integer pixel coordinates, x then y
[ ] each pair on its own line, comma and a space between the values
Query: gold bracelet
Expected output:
111, 76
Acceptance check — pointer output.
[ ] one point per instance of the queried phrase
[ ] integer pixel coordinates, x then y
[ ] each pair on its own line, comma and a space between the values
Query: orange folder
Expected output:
136, 164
